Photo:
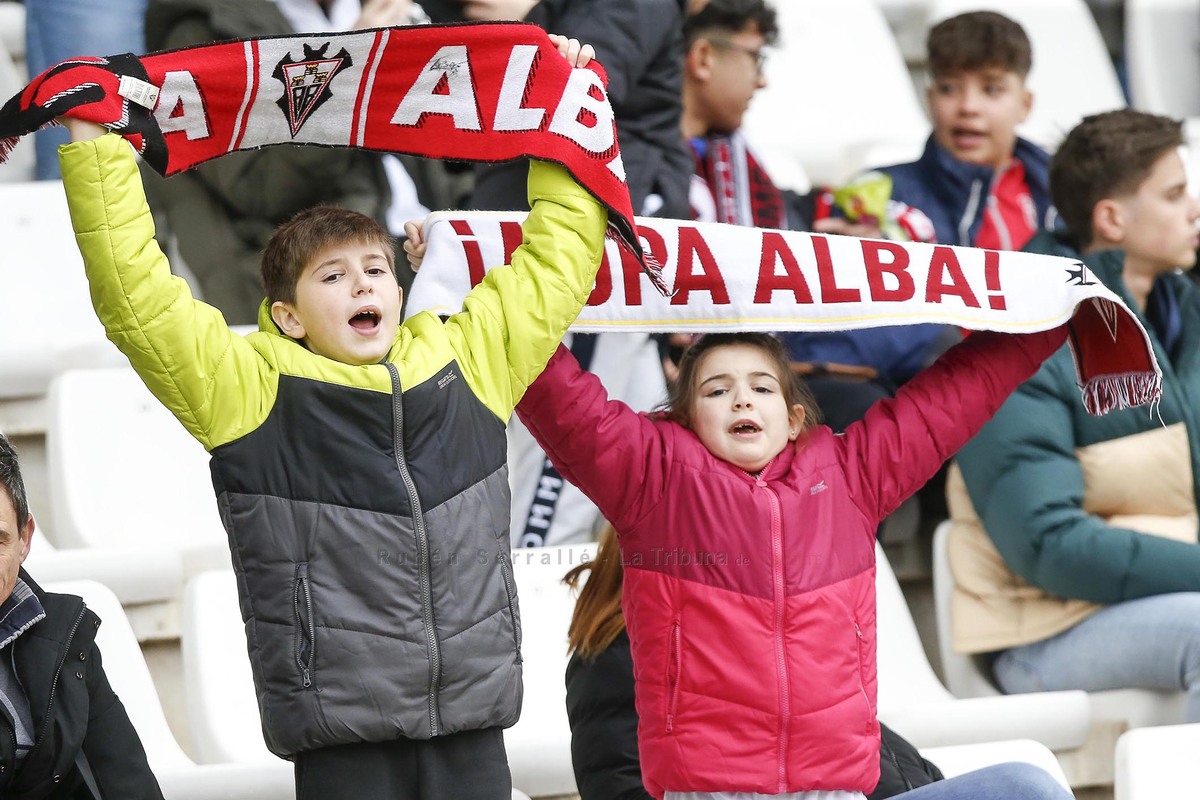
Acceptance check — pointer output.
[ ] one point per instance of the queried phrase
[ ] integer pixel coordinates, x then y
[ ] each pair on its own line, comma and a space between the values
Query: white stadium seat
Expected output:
838, 97
966, 676
124, 473
1157, 763
1162, 55
179, 776
915, 703
47, 324
956, 760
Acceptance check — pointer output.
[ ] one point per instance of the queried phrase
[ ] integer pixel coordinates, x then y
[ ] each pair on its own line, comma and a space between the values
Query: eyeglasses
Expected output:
758, 54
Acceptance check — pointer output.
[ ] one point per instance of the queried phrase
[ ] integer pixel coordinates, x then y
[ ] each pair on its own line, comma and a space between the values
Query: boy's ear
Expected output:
698, 60
1108, 222
1027, 102
285, 317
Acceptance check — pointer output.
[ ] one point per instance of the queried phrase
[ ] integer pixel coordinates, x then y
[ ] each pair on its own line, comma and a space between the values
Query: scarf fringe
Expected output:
1106, 393
650, 265
6, 147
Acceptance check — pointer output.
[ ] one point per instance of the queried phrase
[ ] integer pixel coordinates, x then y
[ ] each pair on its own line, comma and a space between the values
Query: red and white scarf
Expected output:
493, 92
736, 278
476, 92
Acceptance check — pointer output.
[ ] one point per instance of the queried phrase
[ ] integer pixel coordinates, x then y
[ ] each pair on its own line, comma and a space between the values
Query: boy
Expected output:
980, 184
58, 713
977, 182
359, 468
1090, 522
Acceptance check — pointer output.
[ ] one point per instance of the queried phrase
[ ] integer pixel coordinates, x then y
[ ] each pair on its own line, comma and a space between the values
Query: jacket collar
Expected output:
958, 177
21, 611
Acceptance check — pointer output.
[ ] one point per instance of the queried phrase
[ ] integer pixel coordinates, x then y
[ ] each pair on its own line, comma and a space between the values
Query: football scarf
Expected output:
735, 278
475, 92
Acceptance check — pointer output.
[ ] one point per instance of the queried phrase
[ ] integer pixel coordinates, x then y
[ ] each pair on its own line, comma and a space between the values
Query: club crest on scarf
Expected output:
306, 82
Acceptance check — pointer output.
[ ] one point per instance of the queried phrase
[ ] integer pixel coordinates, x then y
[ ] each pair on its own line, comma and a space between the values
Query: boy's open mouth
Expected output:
365, 320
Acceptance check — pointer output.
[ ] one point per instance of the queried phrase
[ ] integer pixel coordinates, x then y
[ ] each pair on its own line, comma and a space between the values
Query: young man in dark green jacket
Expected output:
1091, 525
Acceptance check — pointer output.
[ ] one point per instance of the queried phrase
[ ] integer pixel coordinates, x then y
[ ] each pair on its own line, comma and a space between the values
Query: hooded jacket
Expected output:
366, 506
750, 599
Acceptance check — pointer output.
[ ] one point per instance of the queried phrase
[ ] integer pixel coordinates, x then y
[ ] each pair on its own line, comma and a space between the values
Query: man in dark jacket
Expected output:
68, 734
640, 44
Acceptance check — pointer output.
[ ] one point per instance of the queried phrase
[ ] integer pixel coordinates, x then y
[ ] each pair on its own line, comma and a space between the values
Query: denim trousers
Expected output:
1009, 781
1149, 643
56, 30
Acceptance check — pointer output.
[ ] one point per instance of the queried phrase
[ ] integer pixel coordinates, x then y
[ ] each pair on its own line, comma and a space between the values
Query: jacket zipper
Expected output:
780, 613
677, 663
54, 685
435, 656
862, 686
972, 209
508, 594
12, 732
310, 627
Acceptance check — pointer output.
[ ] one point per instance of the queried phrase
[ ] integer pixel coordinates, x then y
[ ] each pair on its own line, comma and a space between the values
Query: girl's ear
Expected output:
795, 422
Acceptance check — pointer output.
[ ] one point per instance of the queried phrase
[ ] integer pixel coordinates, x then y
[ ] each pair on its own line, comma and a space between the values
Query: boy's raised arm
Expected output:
512, 322
179, 347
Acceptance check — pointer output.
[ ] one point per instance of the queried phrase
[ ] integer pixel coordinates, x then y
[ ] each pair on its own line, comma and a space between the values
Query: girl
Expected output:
600, 707
748, 536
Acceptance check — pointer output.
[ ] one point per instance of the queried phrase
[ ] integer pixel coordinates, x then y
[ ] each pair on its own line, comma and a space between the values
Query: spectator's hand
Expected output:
415, 245
845, 227
576, 54
81, 130
495, 10
384, 14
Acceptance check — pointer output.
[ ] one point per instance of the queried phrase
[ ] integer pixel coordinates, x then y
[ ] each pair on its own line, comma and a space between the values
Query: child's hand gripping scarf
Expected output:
735, 278
475, 92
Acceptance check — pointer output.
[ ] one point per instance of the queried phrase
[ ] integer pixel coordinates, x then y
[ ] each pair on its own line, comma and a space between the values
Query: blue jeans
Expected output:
1012, 781
1149, 643
56, 30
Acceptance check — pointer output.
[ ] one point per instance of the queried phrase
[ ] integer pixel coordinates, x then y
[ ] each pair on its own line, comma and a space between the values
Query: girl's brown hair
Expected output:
597, 619
681, 395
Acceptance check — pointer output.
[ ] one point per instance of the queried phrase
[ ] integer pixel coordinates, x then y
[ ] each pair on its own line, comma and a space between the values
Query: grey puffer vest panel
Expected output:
369, 535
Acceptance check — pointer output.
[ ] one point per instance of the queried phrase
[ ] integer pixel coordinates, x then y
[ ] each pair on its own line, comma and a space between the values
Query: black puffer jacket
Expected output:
640, 44
604, 734
73, 708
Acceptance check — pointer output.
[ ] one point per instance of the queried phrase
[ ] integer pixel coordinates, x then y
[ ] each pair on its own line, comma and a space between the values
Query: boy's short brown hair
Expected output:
1103, 156
298, 240
978, 40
